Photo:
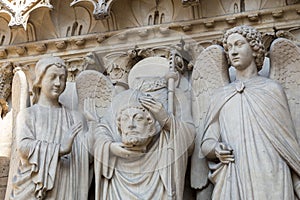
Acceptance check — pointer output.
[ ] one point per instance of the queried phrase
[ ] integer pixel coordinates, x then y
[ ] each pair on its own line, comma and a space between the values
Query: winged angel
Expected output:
248, 129
50, 140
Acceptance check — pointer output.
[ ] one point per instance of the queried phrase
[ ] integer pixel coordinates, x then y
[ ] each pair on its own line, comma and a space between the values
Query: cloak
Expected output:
253, 118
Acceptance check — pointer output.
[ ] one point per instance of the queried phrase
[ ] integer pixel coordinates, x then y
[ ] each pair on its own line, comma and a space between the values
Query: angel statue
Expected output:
51, 141
140, 147
248, 133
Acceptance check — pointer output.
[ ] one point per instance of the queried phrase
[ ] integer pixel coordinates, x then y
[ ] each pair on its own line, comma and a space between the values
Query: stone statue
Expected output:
132, 163
249, 136
141, 150
51, 141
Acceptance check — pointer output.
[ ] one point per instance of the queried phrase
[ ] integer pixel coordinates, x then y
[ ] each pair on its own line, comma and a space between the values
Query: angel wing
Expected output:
94, 92
210, 72
20, 100
285, 68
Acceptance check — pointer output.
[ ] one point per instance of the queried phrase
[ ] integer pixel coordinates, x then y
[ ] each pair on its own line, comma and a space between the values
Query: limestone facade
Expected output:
110, 36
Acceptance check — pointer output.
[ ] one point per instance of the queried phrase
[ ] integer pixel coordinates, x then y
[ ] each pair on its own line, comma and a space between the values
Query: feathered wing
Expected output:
210, 72
20, 100
285, 68
94, 92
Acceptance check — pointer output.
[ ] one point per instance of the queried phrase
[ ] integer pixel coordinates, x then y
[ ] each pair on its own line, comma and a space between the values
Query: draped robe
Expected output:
147, 176
144, 177
253, 118
41, 170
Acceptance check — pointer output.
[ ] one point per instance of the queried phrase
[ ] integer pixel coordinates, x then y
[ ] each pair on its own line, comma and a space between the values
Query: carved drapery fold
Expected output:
19, 11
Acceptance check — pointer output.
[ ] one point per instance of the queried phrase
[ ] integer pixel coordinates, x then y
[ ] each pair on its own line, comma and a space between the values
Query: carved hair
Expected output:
254, 39
150, 119
40, 69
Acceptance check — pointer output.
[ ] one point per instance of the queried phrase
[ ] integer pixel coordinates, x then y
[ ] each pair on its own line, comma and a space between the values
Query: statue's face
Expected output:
239, 51
135, 126
53, 82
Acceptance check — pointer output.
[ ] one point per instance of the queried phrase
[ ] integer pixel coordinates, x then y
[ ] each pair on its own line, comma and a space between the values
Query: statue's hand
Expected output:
118, 149
157, 109
224, 153
68, 139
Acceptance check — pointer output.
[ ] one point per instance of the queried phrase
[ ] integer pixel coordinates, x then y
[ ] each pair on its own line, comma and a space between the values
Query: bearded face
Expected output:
137, 126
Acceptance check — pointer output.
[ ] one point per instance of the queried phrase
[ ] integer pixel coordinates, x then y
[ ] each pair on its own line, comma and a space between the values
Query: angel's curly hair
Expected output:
254, 39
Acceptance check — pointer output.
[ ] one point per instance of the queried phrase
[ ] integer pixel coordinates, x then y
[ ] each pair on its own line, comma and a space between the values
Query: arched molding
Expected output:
19, 11
5, 33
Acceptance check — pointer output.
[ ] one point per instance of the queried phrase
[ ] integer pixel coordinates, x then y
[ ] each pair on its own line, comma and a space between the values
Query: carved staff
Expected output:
171, 81
171, 77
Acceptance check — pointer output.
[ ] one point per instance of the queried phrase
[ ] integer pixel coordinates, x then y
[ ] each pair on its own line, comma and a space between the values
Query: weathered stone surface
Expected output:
4, 169
124, 32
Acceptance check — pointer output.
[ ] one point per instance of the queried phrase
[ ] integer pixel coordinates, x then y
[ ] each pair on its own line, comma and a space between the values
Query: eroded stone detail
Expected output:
6, 76
190, 2
101, 7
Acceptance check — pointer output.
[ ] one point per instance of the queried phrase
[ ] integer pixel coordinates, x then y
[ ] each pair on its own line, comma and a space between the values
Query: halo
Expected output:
151, 67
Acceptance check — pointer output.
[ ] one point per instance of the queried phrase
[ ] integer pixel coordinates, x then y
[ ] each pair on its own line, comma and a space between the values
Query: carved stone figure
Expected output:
132, 163
51, 142
141, 149
249, 136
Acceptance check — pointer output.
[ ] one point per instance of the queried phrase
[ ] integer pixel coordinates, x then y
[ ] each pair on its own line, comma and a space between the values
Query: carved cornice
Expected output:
204, 30
101, 7
19, 10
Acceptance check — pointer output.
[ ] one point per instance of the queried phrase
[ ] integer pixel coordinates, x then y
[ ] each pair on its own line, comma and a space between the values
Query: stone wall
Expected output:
149, 25
4, 167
